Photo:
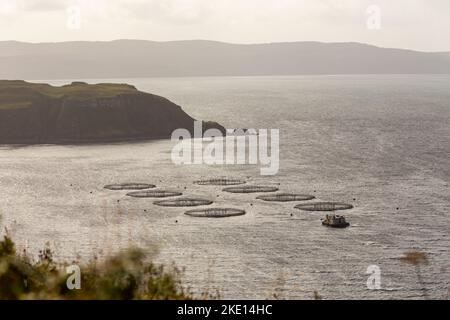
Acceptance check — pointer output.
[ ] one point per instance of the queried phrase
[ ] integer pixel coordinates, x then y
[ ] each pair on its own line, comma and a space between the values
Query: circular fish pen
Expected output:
129, 186
250, 189
324, 206
285, 197
215, 213
186, 202
154, 194
219, 182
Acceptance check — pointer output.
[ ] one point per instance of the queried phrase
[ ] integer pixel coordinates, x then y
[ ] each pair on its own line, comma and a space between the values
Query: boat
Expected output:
335, 221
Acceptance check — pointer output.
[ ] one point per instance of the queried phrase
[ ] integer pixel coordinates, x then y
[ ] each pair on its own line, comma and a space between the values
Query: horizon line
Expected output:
220, 42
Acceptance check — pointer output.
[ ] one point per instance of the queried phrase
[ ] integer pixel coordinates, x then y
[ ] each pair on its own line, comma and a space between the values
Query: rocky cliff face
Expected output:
77, 113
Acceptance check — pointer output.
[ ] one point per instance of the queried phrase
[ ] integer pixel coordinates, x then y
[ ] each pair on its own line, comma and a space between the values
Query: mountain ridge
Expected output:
215, 41
127, 58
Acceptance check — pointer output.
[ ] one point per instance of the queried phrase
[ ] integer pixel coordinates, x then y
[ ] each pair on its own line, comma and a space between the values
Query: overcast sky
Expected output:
413, 24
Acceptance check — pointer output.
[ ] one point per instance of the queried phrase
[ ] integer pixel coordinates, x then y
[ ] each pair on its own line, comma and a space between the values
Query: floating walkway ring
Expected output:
186, 202
324, 206
219, 182
250, 189
215, 213
154, 194
285, 197
129, 186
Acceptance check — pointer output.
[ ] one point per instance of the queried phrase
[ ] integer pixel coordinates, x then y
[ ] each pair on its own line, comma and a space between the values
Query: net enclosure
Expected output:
153, 194
285, 197
219, 182
129, 186
215, 212
185, 202
324, 206
250, 189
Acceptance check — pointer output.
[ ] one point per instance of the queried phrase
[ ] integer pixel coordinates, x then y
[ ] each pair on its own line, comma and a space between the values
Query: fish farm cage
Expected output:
285, 197
154, 194
219, 182
215, 213
129, 186
324, 206
250, 189
186, 202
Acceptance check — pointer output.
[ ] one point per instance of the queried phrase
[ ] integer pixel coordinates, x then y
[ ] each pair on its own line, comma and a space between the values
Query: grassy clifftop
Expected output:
80, 112
19, 93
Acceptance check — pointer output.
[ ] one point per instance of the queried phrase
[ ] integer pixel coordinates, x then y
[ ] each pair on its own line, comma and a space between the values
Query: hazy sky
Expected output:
414, 24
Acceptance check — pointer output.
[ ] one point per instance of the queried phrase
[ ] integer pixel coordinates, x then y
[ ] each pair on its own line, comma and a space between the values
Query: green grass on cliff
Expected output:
20, 94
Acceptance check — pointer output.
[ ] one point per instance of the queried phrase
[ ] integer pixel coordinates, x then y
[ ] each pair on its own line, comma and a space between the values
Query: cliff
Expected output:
82, 113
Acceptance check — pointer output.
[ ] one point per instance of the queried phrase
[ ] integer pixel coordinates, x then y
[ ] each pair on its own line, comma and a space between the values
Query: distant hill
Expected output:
138, 58
78, 113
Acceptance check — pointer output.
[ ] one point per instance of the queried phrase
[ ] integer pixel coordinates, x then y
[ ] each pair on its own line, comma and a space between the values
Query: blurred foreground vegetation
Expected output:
125, 276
